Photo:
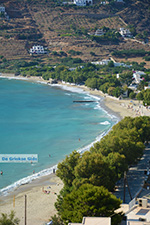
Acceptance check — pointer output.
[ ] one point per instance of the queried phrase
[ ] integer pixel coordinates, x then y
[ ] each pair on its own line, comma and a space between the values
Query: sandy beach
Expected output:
40, 205
41, 196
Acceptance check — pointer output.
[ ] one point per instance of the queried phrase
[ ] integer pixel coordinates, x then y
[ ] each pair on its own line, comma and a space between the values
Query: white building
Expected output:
125, 32
2, 9
140, 73
83, 2
99, 32
103, 62
137, 76
122, 64
94, 221
139, 213
37, 50
106, 61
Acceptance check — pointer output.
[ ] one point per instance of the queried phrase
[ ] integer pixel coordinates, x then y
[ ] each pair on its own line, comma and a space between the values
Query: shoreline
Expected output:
119, 108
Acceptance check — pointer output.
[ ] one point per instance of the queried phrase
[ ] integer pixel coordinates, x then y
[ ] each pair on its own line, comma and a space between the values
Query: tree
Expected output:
89, 200
66, 168
146, 97
126, 78
56, 220
132, 95
125, 141
60, 68
111, 64
92, 168
8, 219
141, 124
92, 53
104, 87
117, 92
117, 164
110, 90
92, 83
141, 85
139, 96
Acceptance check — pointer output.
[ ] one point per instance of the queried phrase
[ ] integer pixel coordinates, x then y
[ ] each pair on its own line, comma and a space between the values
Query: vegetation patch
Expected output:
130, 53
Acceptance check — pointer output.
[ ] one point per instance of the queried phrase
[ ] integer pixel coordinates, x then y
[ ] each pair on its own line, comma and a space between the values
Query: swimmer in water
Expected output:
1, 172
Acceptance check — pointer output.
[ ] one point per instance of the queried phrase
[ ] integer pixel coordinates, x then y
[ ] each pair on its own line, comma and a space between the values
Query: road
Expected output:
135, 178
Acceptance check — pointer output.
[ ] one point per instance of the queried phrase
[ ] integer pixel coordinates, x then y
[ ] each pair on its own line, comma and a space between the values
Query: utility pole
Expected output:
25, 215
126, 182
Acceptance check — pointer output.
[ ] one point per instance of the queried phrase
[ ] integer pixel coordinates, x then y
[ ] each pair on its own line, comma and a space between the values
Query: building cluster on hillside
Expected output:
106, 61
98, 32
37, 49
138, 76
125, 32
90, 2
83, 2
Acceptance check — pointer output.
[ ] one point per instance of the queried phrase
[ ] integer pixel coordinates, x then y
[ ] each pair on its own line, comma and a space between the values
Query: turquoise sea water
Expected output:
40, 119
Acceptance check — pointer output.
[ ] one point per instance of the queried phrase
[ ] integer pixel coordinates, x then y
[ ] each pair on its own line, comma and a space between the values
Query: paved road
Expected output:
135, 178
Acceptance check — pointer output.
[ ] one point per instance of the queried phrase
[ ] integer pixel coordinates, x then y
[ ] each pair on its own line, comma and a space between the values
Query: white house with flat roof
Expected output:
83, 2
139, 213
37, 49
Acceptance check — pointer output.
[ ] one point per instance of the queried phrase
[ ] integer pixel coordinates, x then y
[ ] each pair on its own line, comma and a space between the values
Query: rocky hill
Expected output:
62, 28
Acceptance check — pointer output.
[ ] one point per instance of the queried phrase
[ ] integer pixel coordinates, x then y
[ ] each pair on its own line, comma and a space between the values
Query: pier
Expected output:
82, 101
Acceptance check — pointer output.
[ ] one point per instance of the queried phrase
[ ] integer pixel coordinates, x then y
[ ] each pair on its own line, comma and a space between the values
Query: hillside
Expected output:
63, 28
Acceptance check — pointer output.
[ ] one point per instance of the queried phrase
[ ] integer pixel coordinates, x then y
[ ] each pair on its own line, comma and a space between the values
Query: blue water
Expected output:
41, 119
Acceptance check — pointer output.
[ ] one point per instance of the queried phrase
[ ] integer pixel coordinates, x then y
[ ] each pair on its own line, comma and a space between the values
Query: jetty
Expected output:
82, 101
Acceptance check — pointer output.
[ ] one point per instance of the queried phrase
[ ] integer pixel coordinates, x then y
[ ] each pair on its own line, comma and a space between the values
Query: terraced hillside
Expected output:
60, 28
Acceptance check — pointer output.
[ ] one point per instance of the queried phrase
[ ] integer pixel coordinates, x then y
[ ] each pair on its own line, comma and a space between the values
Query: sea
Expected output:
36, 118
